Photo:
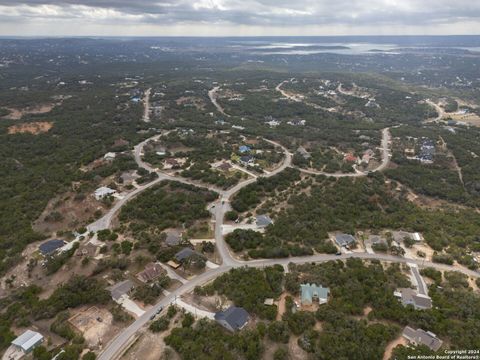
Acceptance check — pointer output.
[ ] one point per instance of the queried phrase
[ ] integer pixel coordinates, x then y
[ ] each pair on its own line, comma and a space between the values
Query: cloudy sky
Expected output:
238, 17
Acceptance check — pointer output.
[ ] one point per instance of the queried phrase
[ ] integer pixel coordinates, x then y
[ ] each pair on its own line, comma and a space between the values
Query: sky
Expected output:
238, 17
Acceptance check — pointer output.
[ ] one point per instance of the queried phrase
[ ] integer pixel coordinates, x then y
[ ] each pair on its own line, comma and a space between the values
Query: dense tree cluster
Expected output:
169, 204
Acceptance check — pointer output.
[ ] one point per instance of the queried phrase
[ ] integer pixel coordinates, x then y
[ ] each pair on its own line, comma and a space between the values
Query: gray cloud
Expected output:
258, 13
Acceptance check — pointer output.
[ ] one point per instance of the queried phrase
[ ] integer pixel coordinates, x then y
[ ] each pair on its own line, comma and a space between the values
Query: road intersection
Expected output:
118, 345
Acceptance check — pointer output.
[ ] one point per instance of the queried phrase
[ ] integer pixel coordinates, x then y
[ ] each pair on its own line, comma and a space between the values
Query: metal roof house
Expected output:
232, 319
344, 239
28, 341
311, 292
422, 337
49, 247
244, 149
263, 221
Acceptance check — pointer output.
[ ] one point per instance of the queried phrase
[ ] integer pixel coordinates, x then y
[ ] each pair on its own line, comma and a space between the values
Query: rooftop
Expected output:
263, 220
422, 337
236, 317
183, 254
120, 289
311, 291
27, 340
51, 246
344, 239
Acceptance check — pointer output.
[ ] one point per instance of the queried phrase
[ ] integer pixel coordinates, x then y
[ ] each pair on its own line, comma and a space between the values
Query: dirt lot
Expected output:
150, 346
17, 114
34, 128
388, 350
74, 213
94, 323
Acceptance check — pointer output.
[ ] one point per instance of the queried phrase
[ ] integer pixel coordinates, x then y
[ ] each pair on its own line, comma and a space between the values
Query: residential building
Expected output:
244, 149
28, 341
409, 296
232, 319
422, 337
312, 292
344, 240
51, 246
121, 289
304, 153
185, 254
110, 156
173, 238
104, 191
151, 272
263, 221
247, 160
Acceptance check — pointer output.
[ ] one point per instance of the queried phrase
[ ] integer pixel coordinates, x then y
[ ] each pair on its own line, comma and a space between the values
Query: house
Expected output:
244, 149
51, 246
171, 163
247, 160
410, 297
263, 221
103, 191
184, 254
173, 238
422, 337
304, 153
232, 319
151, 272
109, 156
376, 240
399, 236
350, 157
121, 289
28, 341
344, 240
311, 292
224, 166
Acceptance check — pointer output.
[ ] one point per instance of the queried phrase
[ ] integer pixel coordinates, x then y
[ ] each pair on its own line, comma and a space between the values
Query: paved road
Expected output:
212, 94
421, 286
115, 348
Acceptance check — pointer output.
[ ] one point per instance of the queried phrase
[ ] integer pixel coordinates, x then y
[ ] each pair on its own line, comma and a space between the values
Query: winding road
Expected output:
119, 344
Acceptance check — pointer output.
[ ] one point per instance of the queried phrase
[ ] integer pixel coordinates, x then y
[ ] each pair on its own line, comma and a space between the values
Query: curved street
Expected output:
120, 343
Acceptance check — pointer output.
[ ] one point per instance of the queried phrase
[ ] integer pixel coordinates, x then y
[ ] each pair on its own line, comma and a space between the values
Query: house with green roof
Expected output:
312, 292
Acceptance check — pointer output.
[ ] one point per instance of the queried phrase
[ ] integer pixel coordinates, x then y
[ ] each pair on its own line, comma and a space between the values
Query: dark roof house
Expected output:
184, 254
344, 239
49, 247
120, 289
232, 319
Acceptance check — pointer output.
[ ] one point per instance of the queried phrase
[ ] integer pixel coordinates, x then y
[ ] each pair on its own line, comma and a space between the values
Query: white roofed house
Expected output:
110, 156
104, 191
28, 341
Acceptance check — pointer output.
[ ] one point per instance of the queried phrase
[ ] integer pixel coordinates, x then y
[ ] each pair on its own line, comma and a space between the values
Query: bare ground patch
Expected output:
34, 128
17, 114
